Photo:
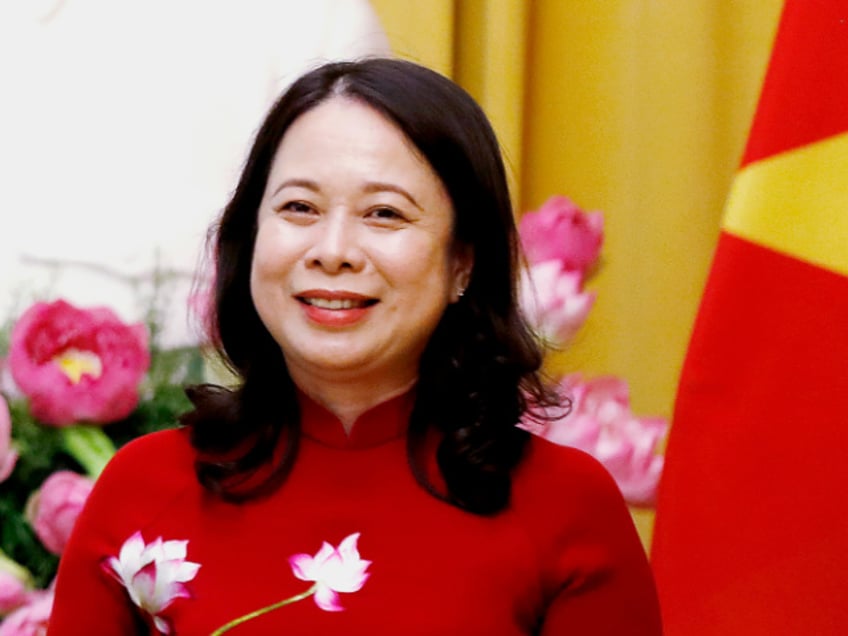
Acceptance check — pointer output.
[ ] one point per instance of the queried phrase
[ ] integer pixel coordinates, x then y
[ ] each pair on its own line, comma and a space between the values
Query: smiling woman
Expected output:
366, 275
354, 262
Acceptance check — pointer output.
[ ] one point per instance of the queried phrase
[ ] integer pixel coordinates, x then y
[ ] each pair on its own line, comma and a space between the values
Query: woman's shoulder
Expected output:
170, 447
559, 488
151, 464
589, 553
149, 478
548, 465
173, 442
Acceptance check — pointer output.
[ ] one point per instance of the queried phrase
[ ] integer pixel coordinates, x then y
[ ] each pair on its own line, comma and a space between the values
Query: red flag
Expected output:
751, 533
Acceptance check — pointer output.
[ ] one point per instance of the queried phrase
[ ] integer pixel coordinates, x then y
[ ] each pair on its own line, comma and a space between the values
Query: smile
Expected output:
337, 303
335, 309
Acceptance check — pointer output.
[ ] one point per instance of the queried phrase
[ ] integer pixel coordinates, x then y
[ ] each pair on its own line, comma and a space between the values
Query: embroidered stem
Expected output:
268, 608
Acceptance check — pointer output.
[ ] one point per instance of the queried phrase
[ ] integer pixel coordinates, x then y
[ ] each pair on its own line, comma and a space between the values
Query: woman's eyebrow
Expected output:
297, 183
369, 187
380, 186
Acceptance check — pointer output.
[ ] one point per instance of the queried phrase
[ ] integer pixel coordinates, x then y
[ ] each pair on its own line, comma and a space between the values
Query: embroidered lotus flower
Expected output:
77, 365
553, 300
333, 570
53, 510
561, 231
8, 455
154, 574
602, 424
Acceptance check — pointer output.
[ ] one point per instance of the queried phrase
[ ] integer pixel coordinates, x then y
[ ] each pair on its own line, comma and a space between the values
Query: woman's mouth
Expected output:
337, 303
335, 309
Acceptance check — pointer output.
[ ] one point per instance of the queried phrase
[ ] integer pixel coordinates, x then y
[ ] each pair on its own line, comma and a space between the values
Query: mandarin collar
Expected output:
382, 423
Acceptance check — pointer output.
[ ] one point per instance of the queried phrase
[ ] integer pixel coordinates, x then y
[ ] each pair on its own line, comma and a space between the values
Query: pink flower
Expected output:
201, 308
602, 424
13, 592
333, 570
561, 231
78, 365
8, 455
15, 582
553, 300
154, 574
53, 509
32, 618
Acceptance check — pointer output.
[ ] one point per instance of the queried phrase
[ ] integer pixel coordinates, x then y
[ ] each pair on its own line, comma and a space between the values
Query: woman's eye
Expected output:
386, 214
298, 207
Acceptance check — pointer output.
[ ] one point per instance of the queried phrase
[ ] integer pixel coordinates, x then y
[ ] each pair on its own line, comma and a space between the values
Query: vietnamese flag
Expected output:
751, 533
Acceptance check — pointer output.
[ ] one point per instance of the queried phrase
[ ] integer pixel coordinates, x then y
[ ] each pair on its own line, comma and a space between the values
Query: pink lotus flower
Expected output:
561, 231
8, 455
15, 582
602, 424
554, 302
154, 574
333, 570
32, 618
13, 592
52, 511
78, 365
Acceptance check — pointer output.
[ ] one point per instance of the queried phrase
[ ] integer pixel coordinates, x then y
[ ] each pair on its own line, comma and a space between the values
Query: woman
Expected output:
366, 302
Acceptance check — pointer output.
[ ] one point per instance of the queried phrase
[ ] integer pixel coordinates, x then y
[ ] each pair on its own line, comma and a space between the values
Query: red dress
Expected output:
564, 558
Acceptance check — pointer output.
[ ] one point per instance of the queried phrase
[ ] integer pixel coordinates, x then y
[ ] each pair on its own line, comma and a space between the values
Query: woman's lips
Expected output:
335, 308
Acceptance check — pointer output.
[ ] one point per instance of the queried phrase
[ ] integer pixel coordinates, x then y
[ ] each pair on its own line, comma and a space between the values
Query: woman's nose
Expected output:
336, 245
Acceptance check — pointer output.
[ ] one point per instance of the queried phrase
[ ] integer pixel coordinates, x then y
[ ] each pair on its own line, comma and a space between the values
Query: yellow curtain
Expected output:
637, 108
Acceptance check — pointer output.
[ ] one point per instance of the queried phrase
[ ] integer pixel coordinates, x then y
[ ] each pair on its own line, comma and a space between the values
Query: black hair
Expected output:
481, 368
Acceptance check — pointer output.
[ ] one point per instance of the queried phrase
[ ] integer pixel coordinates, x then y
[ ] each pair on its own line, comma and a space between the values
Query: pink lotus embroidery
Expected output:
154, 574
333, 570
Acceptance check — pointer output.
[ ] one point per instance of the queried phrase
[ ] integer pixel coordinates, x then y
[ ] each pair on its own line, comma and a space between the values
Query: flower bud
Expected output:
53, 510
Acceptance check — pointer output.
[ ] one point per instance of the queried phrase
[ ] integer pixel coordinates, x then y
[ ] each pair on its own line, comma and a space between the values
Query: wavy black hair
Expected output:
480, 369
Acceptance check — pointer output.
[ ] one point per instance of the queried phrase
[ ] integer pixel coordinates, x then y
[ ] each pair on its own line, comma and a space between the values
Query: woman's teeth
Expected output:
337, 303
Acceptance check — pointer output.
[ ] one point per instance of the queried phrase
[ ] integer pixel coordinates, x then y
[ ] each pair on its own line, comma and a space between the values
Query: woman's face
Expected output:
354, 262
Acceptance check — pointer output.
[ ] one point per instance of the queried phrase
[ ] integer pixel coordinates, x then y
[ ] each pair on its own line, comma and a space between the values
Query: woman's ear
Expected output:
463, 264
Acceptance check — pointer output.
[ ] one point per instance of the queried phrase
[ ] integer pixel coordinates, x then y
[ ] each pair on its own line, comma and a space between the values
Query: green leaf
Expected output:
90, 446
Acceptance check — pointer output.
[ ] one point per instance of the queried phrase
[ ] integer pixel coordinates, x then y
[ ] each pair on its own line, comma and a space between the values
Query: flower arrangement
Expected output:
562, 245
75, 385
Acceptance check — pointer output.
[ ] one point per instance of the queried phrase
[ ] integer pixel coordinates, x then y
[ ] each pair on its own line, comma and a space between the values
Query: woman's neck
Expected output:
347, 401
